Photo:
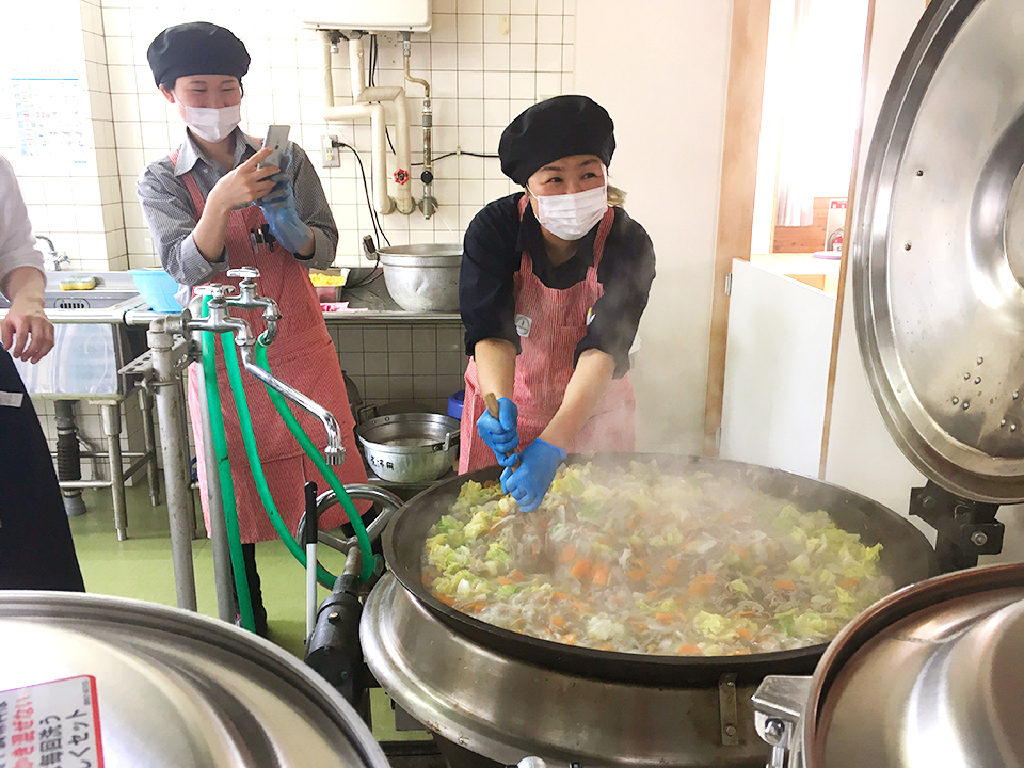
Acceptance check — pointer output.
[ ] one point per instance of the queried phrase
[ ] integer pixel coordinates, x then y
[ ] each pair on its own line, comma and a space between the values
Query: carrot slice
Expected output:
449, 601
568, 553
581, 569
671, 565
744, 632
505, 581
689, 649
738, 550
636, 575
664, 618
558, 621
847, 583
602, 573
561, 596
700, 584
569, 639
517, 574
582, 607
664, 580
786, 585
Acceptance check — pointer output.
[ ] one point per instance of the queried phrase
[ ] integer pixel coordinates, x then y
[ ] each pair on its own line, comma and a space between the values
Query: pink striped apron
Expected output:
557, 321
303, 356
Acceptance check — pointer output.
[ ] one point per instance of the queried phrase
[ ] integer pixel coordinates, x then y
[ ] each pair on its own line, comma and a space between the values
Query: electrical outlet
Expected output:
329, 157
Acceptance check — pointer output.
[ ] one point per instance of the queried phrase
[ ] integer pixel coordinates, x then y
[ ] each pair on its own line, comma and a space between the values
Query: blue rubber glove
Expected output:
531, 480
500, 434
279, 209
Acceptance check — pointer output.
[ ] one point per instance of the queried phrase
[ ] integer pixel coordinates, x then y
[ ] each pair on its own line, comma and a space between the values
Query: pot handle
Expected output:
451, 439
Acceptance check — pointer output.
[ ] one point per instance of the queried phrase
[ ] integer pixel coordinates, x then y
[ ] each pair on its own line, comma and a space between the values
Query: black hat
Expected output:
558, 127
196, 48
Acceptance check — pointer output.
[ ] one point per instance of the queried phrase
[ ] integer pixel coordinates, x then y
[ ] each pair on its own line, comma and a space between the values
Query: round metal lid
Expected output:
130, 684
938, 251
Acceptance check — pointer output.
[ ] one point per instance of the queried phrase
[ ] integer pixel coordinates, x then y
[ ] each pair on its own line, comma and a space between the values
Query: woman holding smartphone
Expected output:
210, 206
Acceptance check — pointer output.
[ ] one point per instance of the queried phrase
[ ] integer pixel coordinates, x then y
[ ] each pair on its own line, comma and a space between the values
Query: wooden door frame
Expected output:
744, 97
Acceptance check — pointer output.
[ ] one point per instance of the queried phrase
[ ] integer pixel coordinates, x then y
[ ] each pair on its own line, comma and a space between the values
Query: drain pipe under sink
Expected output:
69, 457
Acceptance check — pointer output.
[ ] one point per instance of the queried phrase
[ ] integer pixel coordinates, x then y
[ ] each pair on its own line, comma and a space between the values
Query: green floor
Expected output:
141, 568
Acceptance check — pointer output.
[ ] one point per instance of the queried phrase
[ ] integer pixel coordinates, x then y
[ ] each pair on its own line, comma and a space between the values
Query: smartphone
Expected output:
277, 137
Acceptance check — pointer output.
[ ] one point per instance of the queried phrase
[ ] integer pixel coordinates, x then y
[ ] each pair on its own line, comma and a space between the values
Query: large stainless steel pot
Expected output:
126, 684
506, 695
423, 278
410, 447
931, 675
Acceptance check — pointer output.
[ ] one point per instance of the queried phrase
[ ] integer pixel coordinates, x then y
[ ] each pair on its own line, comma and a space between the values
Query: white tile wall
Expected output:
486, 60
69, 202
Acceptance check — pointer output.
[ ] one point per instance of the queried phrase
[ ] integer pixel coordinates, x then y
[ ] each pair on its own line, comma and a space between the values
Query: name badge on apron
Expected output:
11, 399
523, 324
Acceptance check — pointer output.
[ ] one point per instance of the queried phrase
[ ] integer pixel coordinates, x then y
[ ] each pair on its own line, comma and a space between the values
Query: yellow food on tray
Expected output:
635, 560
321, 280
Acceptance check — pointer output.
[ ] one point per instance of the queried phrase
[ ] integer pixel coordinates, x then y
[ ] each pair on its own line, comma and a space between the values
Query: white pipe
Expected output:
328, 69
382, 202
357, 68
396, 94
362, 108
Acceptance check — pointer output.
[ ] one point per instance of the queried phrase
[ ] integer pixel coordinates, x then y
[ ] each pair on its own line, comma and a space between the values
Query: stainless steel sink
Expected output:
96, 298
91, 340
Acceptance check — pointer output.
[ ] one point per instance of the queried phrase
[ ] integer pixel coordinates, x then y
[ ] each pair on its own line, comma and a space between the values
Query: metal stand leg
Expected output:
176, 475
111, 415
218, 529
152, 475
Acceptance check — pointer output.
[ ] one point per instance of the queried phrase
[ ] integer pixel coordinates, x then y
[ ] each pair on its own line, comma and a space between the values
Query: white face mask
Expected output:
213, 124
571, 216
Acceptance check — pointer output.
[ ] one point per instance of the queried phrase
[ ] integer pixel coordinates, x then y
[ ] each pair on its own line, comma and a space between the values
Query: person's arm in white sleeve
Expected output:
25, 330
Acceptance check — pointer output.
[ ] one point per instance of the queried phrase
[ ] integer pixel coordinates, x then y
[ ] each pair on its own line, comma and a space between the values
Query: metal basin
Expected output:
423, 278
410, 447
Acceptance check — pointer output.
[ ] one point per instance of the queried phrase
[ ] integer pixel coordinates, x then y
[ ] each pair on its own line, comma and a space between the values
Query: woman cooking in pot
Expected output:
553, 283
210, 208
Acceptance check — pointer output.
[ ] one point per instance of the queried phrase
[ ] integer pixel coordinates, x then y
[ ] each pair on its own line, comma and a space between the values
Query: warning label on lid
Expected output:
53, 724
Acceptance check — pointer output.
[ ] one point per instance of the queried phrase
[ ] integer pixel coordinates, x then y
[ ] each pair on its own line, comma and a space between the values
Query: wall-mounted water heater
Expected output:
367, 15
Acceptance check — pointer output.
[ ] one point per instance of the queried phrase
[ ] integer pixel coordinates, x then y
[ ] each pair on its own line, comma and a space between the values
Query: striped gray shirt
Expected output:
171, 217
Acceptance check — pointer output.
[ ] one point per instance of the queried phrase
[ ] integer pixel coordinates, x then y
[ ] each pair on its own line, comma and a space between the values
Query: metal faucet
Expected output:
219, 321
55, 259
249, 299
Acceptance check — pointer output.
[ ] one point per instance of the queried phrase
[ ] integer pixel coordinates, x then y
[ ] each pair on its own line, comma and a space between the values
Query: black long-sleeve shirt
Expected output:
492, 254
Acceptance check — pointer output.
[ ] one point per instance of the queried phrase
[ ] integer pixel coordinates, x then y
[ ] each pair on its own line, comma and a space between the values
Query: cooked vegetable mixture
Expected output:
634, 560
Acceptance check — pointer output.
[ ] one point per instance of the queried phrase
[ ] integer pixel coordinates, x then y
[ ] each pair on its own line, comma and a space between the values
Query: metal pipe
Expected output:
149, 442
110, 415
222, 577
428, 203
176, 474
334, 452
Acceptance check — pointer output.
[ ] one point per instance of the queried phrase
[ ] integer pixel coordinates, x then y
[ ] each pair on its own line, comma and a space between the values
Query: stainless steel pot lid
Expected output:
938, 250
138, 684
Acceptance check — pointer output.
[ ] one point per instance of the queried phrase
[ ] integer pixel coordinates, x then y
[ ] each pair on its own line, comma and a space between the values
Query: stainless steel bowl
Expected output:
423, 278
410, 447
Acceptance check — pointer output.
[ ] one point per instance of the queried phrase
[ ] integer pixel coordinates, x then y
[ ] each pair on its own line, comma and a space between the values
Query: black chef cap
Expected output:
558, 127
196, 48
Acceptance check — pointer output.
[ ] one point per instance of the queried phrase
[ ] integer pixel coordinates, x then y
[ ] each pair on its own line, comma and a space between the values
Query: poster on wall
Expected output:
49, 114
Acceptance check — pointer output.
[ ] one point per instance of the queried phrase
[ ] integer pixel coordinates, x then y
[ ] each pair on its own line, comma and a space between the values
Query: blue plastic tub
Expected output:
157, 288
455, 403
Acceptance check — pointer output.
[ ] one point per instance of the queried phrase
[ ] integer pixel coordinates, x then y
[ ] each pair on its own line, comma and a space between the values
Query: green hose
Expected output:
249, 440
314, 454
220, 448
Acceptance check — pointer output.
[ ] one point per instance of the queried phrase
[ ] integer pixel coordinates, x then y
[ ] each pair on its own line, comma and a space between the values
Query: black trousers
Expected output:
36, 549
